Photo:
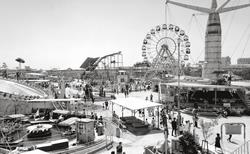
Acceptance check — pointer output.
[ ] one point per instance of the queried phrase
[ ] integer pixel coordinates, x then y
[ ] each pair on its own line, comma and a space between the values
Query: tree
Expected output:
4, 65
207, 131
188, 143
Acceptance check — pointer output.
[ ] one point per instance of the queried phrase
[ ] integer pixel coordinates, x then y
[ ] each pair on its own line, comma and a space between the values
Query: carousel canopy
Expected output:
131, 103
197, 86
39, 127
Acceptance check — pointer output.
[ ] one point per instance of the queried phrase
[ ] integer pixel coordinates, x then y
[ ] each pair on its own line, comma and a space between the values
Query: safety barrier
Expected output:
243, 149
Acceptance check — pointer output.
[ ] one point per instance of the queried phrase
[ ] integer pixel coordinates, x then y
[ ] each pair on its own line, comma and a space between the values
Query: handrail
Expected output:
243, 149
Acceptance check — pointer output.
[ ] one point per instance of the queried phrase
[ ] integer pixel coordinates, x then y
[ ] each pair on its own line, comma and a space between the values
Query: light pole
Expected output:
178, 98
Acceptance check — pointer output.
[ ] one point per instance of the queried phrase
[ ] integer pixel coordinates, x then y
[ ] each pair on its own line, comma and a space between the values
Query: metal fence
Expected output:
243, 149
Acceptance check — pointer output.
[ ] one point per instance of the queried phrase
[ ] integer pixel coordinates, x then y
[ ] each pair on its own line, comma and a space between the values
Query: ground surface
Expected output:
133, 144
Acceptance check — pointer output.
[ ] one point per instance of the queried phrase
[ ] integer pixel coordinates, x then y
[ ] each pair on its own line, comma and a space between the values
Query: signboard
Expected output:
233, 129
226, 104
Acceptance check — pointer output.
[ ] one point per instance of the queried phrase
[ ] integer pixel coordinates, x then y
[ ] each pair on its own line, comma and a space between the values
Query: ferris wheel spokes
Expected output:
160, 48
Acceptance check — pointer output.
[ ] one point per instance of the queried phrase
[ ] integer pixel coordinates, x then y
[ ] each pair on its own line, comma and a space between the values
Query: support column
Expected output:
159, 92
112, 104
122, 111
144, 115
215, 96
158, 117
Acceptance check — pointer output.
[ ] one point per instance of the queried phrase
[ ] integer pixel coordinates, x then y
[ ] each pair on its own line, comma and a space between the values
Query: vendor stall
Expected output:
134, 105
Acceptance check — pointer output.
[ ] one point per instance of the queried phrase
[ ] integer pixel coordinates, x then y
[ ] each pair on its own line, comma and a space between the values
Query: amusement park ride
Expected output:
213, 35
165, 48
106, 63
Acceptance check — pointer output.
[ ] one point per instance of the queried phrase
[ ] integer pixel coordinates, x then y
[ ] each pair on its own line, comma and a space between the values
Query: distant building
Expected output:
225, 61
243, 61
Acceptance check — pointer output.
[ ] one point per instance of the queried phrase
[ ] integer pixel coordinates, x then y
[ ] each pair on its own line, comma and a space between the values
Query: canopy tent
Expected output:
133, 104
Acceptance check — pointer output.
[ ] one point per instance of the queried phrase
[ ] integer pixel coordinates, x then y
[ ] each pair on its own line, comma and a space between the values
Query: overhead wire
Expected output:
201, 35
248, 38
229, 27
240, 40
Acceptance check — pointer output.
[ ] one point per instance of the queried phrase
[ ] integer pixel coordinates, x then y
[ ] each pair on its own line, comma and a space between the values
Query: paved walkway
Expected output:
135, 144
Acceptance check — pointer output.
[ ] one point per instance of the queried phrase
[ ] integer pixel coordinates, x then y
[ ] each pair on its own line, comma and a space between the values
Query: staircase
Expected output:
58, 106
243, 149
245, 97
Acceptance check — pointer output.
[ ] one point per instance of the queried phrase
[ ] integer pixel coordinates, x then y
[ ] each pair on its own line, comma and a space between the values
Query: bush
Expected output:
188, 144
233, 113
246, 112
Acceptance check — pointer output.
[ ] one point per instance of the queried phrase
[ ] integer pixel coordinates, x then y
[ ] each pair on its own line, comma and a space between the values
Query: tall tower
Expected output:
213, 35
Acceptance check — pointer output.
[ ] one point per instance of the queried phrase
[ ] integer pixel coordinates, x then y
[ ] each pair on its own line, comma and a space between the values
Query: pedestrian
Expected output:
174, 126
195, 118
217, 141
164, 120
106, 104
229, 138
153, 122
151, 97
119, 148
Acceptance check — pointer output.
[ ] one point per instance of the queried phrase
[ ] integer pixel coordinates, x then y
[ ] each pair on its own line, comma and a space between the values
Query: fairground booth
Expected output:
205, 96
131, 123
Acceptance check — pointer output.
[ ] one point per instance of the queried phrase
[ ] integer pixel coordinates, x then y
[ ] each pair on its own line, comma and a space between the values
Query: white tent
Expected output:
133, 104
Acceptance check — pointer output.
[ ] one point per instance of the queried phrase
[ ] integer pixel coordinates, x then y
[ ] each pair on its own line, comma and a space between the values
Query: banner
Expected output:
233, 129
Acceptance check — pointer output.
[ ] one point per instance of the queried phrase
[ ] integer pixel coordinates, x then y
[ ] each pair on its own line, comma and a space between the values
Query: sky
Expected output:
63, 33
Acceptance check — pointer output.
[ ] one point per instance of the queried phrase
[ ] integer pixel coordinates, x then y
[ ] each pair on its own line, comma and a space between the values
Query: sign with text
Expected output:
233, 129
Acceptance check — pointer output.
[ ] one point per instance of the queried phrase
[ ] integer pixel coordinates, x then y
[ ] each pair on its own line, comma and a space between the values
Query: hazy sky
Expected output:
63, 33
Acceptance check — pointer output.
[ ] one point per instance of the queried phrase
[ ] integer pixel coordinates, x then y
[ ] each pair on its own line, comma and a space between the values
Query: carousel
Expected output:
39, 130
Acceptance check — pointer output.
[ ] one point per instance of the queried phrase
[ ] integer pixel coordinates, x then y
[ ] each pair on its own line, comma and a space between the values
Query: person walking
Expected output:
119, 148
229, 138
174, 127
217, 142
106, 104
151, 97
153, 123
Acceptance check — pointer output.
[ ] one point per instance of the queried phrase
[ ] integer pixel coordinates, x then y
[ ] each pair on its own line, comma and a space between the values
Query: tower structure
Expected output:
212, 62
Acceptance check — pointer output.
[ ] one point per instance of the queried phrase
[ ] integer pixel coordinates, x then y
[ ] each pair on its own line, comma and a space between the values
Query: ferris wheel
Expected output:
160, 48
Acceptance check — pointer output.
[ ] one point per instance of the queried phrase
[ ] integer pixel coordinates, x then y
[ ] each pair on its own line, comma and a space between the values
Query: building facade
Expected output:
243, 61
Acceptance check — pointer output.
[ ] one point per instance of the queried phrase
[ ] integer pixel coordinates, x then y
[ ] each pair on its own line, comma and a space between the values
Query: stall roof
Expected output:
36, 151
54, 100
200, 86
245, 83
63, 112
132, 103
14, 116
69, 121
